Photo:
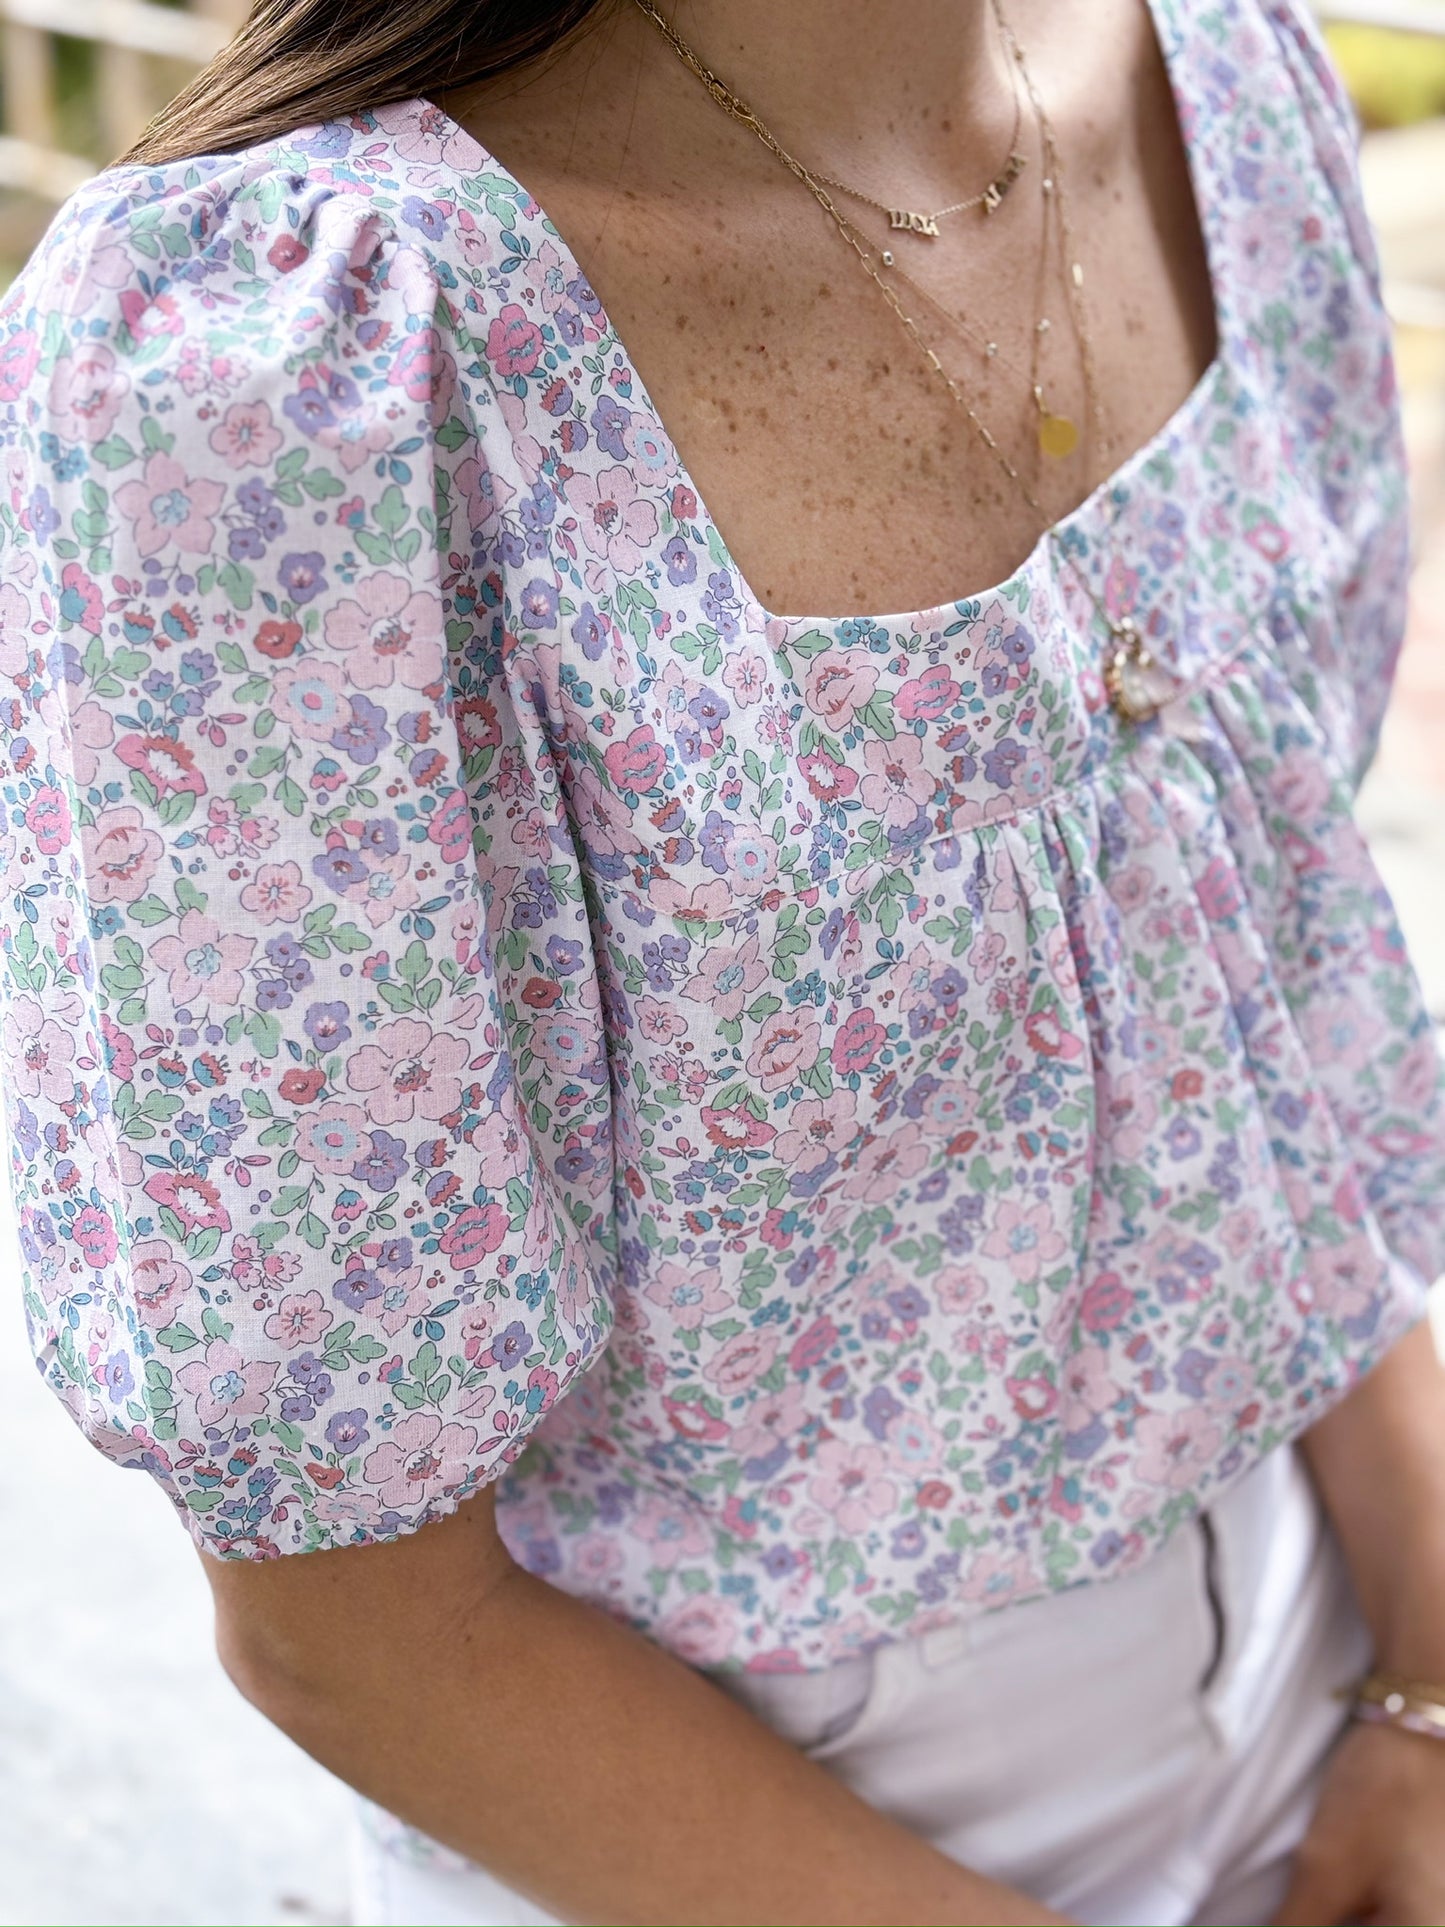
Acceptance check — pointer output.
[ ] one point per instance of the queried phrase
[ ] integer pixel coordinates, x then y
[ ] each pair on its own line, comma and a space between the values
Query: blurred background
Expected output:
135, 1785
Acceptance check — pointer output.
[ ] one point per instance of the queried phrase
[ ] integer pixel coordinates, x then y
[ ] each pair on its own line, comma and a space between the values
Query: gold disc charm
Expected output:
1058, 436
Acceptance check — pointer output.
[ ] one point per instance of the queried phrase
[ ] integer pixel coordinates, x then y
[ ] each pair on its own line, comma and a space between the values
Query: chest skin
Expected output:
840, 474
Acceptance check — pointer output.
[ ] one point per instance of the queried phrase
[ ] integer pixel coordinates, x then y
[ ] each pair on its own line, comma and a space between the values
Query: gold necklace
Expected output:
990, 199
1129, 664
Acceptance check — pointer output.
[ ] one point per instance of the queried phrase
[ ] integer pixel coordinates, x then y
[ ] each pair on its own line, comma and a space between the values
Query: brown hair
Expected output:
298, 62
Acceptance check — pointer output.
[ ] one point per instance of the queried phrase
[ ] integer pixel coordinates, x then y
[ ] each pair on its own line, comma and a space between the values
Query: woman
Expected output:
892, 1161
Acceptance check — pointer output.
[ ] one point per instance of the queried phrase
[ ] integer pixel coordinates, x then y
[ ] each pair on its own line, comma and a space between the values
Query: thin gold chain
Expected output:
990, 197
1128, 650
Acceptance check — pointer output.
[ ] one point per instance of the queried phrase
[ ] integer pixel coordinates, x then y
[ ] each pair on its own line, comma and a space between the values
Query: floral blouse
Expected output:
850, 1130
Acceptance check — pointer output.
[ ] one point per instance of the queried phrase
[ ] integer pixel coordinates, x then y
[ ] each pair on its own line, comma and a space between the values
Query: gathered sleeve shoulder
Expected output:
307, 1099
1349, 433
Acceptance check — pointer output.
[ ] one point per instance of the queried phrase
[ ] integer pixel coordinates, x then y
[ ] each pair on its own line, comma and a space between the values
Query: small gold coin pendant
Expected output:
1058, 436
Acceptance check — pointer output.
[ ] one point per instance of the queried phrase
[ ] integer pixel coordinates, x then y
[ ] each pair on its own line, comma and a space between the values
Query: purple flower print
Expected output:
589, 632
117, 1377
365, 735
680, 561
302, 575
1000, 762
347, 1431
609, 422
326, 1025
383, 1165
539, 605
511, 1346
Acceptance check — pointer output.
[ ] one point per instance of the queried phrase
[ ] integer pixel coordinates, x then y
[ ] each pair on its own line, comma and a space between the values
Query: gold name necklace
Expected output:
1129, 671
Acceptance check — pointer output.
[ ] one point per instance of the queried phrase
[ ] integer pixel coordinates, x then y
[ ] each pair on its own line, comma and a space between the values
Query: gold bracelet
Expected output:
1387, 1699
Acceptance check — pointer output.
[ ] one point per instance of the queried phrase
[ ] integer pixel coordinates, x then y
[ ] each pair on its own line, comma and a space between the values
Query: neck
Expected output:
890, 95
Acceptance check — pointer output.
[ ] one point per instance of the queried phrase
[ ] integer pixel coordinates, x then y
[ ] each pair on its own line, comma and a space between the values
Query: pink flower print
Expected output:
159, 1281
851, 1482
745, 675
450, 828
948, 1108
514, 342
333, 1138
659, 1022
838, 684
421, 132
596, 1560
15, 620
787, 1046
998, 1578
651, 450
603, 819
38, 1051
885, 1162
86, 392
690, 903
48, 819
898, 783
500, 1149
768, 1419
402, 1301
1087, 1387
1345, 1276
420, 1461
702, 1631
819, 1128
1033, 1397
546, 278
638, 761
927, 696
410, 1071
94, 1233
671, 1531
301, 1318
170, 510
246, 435
858, 1042
958, 1289
195, 1201
225, 1386
484, 494
167, 764
725, 978
912, 1444
121, 855
19, 358
312, 698
203, 965
474, 1234
1342, 1032
276, 893
615, 521
92, 728
741, 1361
1025, 1238
389, 632
570, 1042
1175, 1448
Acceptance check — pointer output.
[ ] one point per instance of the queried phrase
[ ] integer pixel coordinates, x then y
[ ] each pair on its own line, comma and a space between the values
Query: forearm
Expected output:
589, 1769
1378, 1460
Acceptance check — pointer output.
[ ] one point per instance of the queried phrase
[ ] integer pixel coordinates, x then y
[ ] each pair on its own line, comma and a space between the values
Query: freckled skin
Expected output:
841, 476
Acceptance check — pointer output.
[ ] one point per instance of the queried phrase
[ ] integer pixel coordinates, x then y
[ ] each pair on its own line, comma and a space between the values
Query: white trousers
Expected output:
1140, 1750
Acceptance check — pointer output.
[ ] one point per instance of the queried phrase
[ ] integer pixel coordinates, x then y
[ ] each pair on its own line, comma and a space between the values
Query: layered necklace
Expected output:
1135, 683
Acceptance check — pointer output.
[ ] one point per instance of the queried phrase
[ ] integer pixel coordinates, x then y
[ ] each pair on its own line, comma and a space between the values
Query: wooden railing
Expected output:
142, 53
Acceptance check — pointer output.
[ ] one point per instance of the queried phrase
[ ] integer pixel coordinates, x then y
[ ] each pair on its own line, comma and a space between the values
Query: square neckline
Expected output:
1075, 521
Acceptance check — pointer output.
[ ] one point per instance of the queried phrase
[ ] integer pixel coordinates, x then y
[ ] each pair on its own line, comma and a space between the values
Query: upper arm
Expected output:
289, 1184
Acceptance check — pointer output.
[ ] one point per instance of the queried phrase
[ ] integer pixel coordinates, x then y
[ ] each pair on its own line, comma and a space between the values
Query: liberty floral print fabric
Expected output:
851, 1131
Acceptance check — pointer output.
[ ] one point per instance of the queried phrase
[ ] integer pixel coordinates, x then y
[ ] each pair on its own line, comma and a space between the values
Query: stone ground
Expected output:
135, 1785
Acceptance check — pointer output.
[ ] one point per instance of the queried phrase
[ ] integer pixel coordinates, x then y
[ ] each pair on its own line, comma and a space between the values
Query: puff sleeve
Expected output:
294, 973
1355, 640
